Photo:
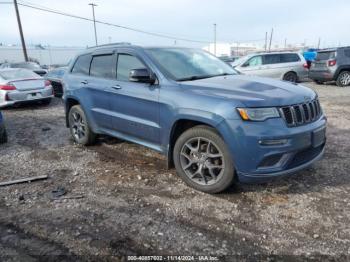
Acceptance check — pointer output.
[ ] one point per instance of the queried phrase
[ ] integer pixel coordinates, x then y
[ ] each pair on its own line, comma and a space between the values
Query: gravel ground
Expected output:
133, 205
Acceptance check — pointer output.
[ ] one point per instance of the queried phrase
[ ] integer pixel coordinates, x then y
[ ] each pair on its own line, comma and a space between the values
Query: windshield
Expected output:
183, 64
18, 74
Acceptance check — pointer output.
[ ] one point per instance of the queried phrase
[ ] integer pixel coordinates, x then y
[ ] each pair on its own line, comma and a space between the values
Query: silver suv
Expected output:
289, 66
332, 65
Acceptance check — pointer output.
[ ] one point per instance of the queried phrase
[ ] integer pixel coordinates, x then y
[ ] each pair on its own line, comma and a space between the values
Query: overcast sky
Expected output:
244, 21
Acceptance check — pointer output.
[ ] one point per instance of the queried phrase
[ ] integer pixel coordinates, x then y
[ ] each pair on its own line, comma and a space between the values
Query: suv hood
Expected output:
250, 90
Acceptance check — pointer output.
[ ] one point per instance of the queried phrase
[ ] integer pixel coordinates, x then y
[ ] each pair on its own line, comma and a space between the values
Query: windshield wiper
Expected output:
223, 74
192, 78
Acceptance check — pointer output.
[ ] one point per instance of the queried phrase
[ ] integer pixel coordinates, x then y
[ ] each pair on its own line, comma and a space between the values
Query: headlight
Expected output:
258, 114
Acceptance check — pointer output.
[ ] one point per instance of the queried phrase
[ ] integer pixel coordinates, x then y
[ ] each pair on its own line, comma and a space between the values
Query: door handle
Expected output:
85, 82
117, 87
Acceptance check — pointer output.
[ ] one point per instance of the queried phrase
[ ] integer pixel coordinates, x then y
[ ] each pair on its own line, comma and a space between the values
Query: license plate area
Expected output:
318, 137
32, 96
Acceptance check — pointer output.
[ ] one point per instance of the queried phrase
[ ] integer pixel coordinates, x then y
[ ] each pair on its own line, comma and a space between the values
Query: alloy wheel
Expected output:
345, 79
78, 126
202, 161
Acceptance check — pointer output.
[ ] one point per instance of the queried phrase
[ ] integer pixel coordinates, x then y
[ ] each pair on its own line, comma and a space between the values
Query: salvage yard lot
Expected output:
133, 205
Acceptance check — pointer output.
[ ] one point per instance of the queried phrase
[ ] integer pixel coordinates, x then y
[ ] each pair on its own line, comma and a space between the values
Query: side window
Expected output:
289, 58
102, 66
347, 52
272, 59
82, 65
254, 61
125, 64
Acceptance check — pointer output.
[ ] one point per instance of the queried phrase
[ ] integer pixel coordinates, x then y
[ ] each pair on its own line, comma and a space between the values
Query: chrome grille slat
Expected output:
300, 114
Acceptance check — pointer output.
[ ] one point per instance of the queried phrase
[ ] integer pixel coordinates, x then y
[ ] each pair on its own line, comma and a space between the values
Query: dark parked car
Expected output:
332, 65
3, 134
26, 65
213, 124
55, 77
228, 59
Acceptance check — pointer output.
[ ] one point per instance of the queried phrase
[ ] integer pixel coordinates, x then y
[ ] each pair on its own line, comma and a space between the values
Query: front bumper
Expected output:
255, 162
9, 98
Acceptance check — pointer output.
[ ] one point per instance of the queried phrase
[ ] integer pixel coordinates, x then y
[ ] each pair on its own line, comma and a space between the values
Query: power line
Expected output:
110, 24
50, 10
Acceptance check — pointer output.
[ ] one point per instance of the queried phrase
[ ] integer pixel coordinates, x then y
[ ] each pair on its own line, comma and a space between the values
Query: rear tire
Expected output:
3, 136
343, 79
79, 127
203, 161
290, 77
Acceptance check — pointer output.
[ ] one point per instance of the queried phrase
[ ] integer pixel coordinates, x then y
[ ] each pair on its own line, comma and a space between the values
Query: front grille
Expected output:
296, 115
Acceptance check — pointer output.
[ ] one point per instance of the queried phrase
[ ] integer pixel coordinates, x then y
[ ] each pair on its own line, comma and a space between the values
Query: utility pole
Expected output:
21, 32
319, 43
285, 43
270, 39
215, 39
93, 17
265, 41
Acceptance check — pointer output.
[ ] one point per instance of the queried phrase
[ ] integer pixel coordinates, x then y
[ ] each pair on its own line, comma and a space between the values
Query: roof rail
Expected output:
111, 44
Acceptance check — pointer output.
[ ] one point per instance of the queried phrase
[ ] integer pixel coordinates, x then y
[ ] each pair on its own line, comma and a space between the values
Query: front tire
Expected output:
79, 127
203, 160
343, 79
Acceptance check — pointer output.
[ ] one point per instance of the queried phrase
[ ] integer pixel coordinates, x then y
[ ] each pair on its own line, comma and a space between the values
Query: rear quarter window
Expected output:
82, 65
289, 58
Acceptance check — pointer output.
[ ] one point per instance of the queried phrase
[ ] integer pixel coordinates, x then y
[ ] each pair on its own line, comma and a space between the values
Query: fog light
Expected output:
273, 142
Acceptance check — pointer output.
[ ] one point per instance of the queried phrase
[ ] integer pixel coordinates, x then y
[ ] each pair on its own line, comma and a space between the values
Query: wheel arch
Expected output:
69, 103
339, 70
290, 71
181, 125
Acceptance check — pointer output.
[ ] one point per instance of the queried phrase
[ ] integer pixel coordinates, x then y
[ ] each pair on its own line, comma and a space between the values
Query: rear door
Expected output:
90, 90
135, 105
272, 65
102, 78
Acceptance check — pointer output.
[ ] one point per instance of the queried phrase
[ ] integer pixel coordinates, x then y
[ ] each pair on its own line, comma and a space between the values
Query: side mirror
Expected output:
141, 75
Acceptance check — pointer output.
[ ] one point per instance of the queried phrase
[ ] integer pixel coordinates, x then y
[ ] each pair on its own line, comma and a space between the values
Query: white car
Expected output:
289, 66
22, 85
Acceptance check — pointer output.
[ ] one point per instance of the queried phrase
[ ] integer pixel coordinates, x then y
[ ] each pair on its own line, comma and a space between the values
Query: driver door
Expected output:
135, 106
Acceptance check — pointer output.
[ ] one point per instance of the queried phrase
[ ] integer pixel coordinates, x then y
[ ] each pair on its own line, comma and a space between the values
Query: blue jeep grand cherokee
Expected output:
213, 124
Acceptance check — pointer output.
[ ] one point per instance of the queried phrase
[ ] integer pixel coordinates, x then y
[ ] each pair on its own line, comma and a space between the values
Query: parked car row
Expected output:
321, 65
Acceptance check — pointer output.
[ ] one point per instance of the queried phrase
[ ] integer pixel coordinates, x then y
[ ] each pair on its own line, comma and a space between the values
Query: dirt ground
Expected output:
133, 205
